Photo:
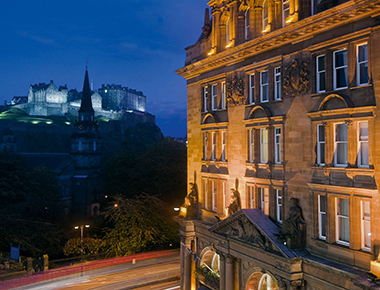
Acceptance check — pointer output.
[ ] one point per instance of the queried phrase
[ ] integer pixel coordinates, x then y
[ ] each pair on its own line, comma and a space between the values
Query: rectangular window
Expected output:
321, 73
223, 96
214, 97
252, 89
263, 146
322, 216
285, 11
366, 225
342, 221
264, 86
205, 99
340, 69
213, 149
223, 156
224, 197
264, 192
204, 146
363, 148
251, 196
206, 194
214, 195
279, 205
251, 145
321, 145
277, 83
277, 145
340, 155
362, 64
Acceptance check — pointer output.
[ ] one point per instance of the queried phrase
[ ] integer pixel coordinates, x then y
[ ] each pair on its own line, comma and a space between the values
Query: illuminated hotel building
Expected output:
282, 108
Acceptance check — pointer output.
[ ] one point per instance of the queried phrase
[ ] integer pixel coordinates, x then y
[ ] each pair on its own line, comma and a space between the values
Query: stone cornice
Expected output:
294, 33
335, 189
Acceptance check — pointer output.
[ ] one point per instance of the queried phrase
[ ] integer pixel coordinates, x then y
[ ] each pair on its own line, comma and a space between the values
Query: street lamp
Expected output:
81, 239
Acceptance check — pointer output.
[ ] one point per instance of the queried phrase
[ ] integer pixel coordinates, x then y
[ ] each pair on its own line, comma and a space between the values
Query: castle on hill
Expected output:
110, 101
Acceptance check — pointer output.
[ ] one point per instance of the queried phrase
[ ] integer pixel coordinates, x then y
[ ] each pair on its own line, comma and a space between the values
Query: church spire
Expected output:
86, 104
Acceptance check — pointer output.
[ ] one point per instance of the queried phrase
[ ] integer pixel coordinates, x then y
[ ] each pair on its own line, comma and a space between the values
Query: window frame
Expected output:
264, 87
360, 145
224, 188
264, 146
321, 143
251, 145
223, 156
223, 101
279, 201
265, 15
251, 196
205, 99
285, 11
322, 214
320, 72
264, 202
252, 88
359, 63
344, 67
277, 83
277, 146
340, 217
246, 24
205, 146
365, 220
214, 192
228, 31
213, 146
336, 143
214, 97
206, 194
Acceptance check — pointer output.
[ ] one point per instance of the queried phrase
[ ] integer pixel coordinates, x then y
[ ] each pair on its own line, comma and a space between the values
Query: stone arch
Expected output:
259, 112
224, 17
333, 102
259, 279
209, 119
210, 258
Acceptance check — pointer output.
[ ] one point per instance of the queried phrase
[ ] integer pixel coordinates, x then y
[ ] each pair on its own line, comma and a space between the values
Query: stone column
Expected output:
229, 273
187, 269
222, 272
182, 266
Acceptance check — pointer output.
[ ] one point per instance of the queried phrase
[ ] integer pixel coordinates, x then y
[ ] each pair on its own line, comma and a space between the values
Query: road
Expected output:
154, 274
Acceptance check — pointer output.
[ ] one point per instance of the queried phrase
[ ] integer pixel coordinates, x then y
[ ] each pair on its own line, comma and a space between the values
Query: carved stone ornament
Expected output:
235, 89
296, 78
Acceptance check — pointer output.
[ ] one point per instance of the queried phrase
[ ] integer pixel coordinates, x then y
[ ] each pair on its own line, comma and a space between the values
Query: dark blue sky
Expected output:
135, 43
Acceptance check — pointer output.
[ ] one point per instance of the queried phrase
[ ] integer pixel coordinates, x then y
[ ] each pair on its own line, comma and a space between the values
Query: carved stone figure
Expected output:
296, 78
235, 90
235, 203
191, 200
293, 229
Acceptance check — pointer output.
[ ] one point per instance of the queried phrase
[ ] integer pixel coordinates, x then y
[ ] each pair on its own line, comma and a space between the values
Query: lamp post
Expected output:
81, 239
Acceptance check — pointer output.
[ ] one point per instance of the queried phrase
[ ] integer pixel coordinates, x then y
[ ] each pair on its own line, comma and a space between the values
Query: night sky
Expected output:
134, 43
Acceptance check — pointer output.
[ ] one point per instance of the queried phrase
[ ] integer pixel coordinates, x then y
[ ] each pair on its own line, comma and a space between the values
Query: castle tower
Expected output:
85, 149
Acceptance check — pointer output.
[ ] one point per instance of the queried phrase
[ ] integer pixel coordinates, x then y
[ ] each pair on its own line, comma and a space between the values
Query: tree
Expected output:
91, 246
140, 223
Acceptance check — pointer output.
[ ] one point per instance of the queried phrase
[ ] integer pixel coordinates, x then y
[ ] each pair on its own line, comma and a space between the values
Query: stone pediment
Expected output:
253, 227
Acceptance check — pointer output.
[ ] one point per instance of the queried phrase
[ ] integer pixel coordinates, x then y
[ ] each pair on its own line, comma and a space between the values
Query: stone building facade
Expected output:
283, 157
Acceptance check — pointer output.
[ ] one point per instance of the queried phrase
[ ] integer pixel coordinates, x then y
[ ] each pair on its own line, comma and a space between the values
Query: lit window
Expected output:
340, 69
277, 83
340, 156
264, 200
223, 96
362, 64
279, 205
321, 85
213, 150
263, 146
247, 24
265, 16
223, 156
264, 87
366, 225
277, 145
321, 144
205, 99
228, 32
285, 11
322, 216
214, 196
251, 196
342, 221
251, 145
214, 97
204, 146
363, 149
252, 89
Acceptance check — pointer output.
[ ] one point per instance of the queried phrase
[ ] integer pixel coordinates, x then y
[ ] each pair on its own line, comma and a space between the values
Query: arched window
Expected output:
247, 24
265, 16
228, 31
261, 281
211, 259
